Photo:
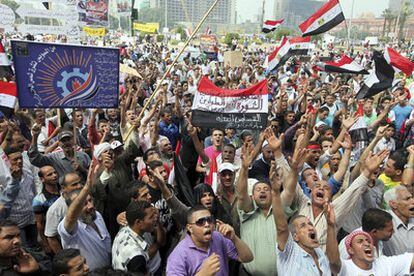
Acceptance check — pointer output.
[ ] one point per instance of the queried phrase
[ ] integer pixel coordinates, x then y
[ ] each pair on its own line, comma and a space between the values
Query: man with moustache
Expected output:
298, 251
84, 228
205, 250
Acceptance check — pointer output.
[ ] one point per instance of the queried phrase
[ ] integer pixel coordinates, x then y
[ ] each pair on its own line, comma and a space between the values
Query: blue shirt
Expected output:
401, 114
170, 131
96, 249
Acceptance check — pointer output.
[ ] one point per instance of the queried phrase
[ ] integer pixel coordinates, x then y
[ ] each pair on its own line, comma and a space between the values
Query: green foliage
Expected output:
174, 42
279, 33
180, 30
160, 38
229, 37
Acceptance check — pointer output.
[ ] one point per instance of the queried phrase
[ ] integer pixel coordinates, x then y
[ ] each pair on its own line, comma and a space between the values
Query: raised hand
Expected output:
157, 176
36, 129
25, 263
410, 150
298, 159
275, 179
247, 155
225, 229
329, 214
192, 131
349, 122
274, 142
373, 161
381, 131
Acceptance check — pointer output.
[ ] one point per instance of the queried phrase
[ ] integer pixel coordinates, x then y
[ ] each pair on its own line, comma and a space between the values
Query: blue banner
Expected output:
61, 75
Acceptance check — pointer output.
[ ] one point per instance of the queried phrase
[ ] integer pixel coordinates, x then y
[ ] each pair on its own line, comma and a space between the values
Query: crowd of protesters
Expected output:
326, 188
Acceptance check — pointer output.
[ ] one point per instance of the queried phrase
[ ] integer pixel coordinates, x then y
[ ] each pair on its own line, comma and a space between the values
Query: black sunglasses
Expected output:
202, 221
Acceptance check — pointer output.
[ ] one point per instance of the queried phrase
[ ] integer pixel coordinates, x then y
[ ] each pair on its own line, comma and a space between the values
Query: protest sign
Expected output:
61, 75
94, 31
233, 59
223, 108
93, 13
146, 27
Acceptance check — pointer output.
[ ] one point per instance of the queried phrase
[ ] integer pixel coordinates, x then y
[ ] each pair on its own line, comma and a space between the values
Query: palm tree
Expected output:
384, 14
406, 11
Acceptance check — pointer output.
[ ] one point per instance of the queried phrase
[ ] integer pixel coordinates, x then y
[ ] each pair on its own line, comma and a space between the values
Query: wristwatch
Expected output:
406, 166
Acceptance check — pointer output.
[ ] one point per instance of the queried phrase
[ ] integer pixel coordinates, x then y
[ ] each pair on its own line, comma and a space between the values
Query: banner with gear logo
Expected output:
61, 75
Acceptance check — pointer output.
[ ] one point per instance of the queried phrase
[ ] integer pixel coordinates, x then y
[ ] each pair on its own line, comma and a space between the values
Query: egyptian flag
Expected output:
216, 107
344, 65
379, 79
327, 17
8, 94
271, 25
300, 45
279, 56
5, 66
398, 62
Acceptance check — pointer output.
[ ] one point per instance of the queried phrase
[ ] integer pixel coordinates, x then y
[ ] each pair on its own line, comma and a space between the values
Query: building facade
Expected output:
191, 11
295, 11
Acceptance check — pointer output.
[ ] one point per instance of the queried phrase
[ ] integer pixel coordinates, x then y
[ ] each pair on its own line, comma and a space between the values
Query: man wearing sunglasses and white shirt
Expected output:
206, 250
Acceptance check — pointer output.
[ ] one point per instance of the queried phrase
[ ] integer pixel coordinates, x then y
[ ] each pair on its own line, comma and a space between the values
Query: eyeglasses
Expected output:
202, 221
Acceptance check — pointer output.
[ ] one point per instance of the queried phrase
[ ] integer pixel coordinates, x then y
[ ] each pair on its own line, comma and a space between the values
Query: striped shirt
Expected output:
22, 211
296, 261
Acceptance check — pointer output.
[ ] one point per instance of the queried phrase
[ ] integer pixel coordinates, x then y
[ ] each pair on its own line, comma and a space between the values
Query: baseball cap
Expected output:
226, 166
65, 134
100, 148
115, 144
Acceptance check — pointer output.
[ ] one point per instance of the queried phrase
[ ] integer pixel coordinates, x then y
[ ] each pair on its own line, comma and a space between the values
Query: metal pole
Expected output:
171, 66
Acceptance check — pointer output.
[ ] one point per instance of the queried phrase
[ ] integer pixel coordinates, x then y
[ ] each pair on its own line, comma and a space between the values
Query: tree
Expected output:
279, 33
180, 30
406, 11
229, 37
387, 14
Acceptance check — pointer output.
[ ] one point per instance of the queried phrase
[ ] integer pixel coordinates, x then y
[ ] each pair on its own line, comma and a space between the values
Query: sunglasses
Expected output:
202, 221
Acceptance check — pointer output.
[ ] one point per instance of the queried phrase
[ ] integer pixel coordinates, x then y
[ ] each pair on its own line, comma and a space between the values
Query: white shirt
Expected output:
382, 266
383, 144
344, 254
296, 261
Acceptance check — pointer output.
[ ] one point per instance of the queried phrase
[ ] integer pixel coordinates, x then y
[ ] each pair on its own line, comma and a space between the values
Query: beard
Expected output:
88, 218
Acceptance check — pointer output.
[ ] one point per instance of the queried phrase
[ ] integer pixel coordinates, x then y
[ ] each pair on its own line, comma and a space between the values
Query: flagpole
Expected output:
171, 66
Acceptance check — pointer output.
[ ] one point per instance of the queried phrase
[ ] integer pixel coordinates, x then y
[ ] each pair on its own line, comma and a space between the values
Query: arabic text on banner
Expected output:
147, 27
59, 75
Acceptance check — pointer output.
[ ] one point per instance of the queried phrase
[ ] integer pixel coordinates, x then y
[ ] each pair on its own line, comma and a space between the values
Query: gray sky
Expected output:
249, 9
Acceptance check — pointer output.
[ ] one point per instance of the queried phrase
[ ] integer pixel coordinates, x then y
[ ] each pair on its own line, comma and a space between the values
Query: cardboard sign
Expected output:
233, 58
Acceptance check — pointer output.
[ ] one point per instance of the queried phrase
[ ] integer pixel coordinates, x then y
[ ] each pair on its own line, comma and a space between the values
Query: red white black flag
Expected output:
8, 94
279, 56
271, 25
224, 108
6, 71
380, 78
300, 45
398, 62
344, 65
327, 17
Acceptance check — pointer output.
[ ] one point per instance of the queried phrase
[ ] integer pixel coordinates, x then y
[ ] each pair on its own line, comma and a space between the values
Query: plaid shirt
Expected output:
21, 211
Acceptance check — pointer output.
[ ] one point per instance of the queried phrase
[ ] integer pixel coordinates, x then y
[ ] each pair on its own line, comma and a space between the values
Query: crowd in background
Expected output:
326, 187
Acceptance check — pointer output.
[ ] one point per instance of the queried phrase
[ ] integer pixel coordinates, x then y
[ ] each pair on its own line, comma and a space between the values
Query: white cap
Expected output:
115, 144
99, 149
226, 166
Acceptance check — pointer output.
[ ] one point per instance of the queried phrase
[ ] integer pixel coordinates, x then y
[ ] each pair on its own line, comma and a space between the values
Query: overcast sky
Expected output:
249, 9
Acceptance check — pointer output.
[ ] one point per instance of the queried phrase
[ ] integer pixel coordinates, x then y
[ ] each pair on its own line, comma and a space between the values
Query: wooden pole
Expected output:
171, 66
